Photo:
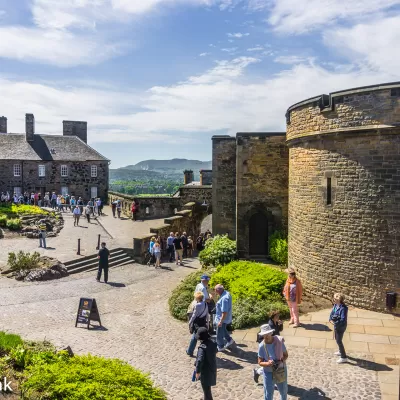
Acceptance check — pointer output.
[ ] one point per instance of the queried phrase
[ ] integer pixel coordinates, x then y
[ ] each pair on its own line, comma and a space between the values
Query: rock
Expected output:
56, 271
20, 275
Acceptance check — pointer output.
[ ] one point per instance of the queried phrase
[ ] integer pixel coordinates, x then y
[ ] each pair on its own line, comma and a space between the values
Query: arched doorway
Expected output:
258, 235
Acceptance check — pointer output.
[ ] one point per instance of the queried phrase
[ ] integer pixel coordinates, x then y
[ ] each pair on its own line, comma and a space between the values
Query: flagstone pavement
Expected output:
139, 329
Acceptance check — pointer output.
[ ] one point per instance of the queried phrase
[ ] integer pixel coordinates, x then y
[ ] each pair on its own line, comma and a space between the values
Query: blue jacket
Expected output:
339, 316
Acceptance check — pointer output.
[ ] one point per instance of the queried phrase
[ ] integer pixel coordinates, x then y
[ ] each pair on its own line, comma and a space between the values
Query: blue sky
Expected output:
158, 78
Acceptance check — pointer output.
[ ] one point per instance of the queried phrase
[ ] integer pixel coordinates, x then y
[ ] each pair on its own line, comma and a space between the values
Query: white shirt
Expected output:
201, 288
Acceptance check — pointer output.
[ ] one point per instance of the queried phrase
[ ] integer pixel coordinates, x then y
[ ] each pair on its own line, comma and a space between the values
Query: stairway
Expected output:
118, 257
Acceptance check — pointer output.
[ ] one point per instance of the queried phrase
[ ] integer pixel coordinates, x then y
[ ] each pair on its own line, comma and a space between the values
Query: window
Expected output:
328, 191
42, 170
395, 92
93, 171
17, 169
93, 192
64, 190
64, 170
17, 191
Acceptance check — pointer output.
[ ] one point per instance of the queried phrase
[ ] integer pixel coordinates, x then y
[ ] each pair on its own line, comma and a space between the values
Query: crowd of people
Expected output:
205, 313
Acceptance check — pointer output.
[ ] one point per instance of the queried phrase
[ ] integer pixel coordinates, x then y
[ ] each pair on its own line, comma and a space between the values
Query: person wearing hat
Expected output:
206, 362
272, 355
208, 298
293, 292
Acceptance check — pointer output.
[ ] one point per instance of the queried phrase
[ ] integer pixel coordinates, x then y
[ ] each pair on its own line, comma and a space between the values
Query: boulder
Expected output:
56, 271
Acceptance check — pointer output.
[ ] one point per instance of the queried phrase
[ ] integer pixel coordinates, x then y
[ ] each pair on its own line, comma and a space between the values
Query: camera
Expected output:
335, 318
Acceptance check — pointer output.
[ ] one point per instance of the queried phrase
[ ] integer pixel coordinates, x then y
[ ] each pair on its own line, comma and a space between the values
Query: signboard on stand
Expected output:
87, 312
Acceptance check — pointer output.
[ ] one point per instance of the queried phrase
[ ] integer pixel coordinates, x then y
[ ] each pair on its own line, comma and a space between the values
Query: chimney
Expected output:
3, 125
75, 128
187, 177
205, 177
29, 127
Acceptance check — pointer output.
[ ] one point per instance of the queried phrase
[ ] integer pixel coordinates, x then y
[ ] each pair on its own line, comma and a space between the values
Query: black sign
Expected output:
87, 312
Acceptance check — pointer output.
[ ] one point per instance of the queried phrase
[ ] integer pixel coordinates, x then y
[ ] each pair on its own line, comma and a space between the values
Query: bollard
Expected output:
78, 253
98, 243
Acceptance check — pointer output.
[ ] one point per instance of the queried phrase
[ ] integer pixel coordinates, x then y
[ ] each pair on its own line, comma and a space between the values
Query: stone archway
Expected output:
258, 235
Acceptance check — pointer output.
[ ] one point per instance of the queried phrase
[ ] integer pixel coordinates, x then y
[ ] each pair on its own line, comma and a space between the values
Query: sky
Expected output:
156, 79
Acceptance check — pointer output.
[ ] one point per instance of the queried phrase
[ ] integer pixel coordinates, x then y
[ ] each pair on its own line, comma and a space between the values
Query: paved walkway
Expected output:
139, 329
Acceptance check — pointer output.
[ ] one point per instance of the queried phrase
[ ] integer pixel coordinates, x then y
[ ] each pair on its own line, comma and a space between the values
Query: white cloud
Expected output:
60, 48
238, 35
204, 54
300, 16
371, 44
229, 49
257, 48
289, 59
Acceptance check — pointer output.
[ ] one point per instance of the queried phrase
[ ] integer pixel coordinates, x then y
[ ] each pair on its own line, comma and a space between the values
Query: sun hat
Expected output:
205, 277
202, 334
266, 330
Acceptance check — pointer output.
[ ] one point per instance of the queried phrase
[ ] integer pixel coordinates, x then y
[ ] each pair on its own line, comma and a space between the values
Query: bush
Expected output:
182, 296
247, 279
22, 260
252, 311
9, 341
278, 247
14, 224
3, 220
219, 250
21, 209
88, 377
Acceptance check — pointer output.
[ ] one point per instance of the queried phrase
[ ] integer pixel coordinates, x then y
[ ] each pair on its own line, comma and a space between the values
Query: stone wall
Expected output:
224, 185
78, 181
351, 245
197, 194
262, 170
205, 177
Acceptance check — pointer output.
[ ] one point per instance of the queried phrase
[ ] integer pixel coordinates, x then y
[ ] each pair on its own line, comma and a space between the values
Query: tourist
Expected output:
32, 200
90, 204
59, 203
103, 256
170, 246
42, 233
53, 200
206, 362
157, 253
198, 319
79, 203
208, 298
99, 206
190, 247
113, 207
46, 200
293, 292
272, 355
72, 203
119, 208
223, 318
77, 214
184, 245
200, 243
35, 199
178, 249
15, 198
338, 318
68, 202
133, 210
88, 211
277, 325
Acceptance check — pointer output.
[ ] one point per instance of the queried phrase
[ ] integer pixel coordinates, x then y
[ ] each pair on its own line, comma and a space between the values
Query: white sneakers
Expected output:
342, 360
337, 353
229, 344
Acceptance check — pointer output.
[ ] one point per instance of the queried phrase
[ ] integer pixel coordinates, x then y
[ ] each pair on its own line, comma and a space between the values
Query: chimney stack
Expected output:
29, 127
3, 125
75, 128
187, 177
205, 177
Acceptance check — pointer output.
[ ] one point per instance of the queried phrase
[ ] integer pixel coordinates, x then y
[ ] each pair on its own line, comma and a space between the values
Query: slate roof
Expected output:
66, 148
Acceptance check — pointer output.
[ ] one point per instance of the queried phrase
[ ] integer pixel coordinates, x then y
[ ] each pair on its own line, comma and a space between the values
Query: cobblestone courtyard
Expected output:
139, 329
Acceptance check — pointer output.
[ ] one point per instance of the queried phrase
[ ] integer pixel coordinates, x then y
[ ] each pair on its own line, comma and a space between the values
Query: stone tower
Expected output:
344, 193
3, 125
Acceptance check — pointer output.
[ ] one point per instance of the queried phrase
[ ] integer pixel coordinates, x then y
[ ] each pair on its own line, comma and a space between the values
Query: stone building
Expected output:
250, 189
344, 193
65, 163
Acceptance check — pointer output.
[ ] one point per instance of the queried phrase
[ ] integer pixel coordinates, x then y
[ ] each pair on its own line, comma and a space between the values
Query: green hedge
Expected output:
14, 224
219, 250
278, 247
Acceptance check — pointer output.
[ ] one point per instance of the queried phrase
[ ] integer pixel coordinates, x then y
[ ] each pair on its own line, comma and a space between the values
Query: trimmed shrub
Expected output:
252, 311
88, 377
278, 247
246, 279
219, 250
14, 224
182, 296
23, 260
3, 220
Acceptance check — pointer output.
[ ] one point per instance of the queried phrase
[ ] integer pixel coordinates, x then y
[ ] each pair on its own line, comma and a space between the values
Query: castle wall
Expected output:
224, 185
351, 245
262, 169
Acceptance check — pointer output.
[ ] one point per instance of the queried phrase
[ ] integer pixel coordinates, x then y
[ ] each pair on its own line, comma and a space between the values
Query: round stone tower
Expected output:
344, 193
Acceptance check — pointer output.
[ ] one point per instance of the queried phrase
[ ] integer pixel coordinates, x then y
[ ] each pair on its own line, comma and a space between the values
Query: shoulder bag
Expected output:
278, 372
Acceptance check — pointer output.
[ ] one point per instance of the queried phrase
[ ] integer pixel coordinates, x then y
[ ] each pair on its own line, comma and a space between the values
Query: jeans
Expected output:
222, 334
42, 242
207, 392
269, 386
101, 268
192, 345
171, 252
339, 332
294, 312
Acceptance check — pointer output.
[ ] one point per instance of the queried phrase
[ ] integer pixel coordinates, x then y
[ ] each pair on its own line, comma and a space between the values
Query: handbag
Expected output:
278, 373
199, 321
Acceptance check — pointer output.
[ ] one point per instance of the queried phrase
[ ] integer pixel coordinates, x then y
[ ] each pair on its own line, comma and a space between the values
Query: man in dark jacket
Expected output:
206, 362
